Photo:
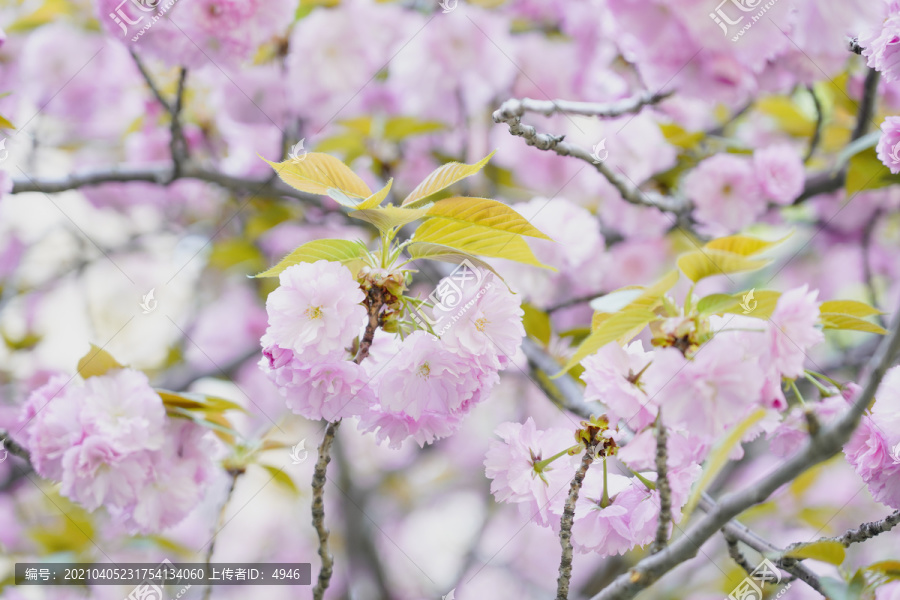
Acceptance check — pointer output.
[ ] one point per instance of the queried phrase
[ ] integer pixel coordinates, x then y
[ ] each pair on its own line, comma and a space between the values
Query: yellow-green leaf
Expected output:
700, 264
387, 217
399, 128
865, 171
443, 177
50, 11
282, 478
853, 308
5, 123
679, 136
319, 172
97, 362
825, 550
718, 457
430, 251
376, 198
715, 304
343, 251
484, 212
195, 401
537, 323
889, 568
216, 422
478, 240
743, 245
609, 330
846, 322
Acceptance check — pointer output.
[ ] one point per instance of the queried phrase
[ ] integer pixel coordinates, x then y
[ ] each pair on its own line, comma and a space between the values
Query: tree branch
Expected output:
867, 105
565, 526
14, 447
665, 490
865, 531
605, 110
817, 449
565, 391
507, 113
220, 523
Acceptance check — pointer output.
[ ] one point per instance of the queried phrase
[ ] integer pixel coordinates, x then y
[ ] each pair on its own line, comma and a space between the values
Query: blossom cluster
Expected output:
418, 386
109, 442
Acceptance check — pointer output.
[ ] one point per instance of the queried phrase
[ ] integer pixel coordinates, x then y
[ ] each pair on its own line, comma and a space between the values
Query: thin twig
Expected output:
866, 249
865, 531
220, 523
564, 390
13, 447
665, 490
510, 113
820, 121
565, 526
604, 110
150, 83
735, 552
573, 302
178, 144
867, 105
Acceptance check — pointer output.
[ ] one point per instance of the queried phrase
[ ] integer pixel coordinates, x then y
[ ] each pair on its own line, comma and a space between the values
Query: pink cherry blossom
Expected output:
612, 378
888, 147
780, 173
725, 193
510, 464
315, 310
882, 48
793, 330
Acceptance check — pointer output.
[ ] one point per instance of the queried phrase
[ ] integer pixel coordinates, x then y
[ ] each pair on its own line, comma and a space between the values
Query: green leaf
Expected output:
485, 212
743, 245
715, 304
97, 362
846, 322
423, 250
342, 251
376, 198
825, 550
865, 171
852, 308
610, 330
786, 113
216, 422
478, 240
388, 217
700, 264
718, 457
319, 172
282, 478
441, 178
537, 323
680, 137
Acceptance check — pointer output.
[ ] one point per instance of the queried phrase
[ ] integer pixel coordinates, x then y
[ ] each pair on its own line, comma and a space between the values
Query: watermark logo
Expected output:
448, 296
299, 453
148, 302
599, 152
725, 21
297, 153
895, 453
751, 587
3, 447
895, 152
4, 153
450, 596
123, 19
448, 5
748, 303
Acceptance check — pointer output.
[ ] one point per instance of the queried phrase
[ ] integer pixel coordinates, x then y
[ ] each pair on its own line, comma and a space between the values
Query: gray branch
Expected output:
14, 447
662, 484
565, 526
510, 113
605, 110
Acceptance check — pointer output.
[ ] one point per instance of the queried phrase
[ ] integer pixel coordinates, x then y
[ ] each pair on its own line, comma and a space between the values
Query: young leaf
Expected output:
718, 457
478, 240
282, 478
700, 264
716, 304
852, 308
376, 198
430, 251
443, 177
199, 402
609, 330
846, 322
825, 550
765, 302
97, 362
343, 251
319, 172
742, 244
387, 217
485, 212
